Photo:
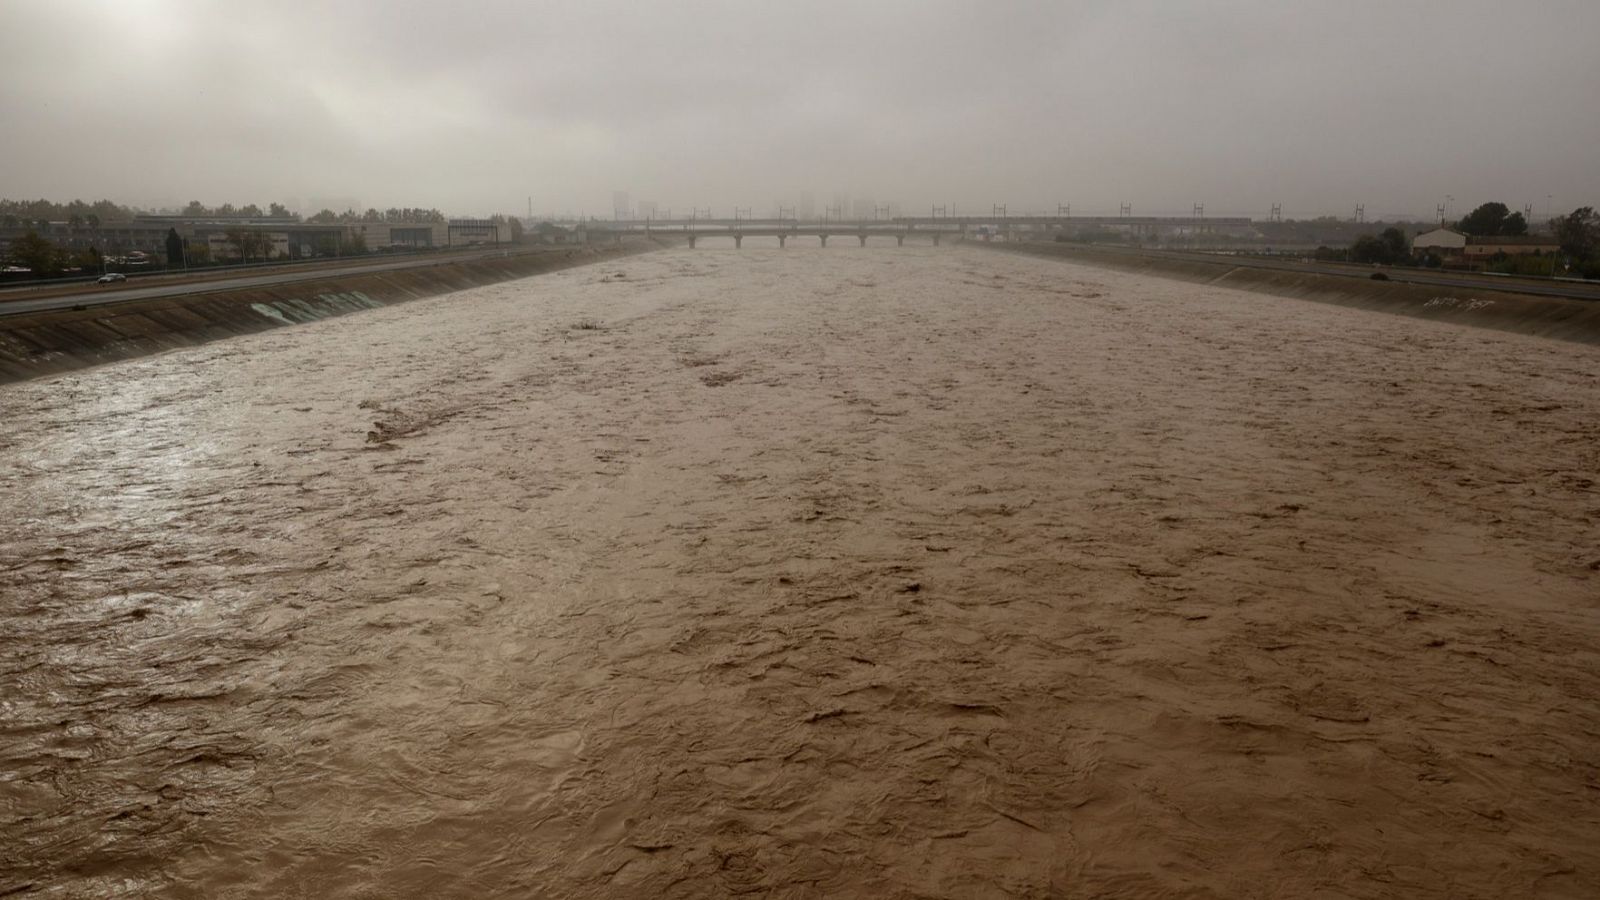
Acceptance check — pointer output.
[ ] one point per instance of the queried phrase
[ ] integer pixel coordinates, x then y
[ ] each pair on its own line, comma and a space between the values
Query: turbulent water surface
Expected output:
883, 572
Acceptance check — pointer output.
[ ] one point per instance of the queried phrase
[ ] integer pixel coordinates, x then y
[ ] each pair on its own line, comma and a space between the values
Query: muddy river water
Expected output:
882, 572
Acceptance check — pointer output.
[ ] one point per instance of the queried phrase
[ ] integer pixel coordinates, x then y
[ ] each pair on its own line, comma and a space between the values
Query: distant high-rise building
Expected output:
619, 205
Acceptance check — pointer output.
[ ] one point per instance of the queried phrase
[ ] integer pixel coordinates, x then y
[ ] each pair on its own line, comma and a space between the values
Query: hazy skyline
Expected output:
1237, 105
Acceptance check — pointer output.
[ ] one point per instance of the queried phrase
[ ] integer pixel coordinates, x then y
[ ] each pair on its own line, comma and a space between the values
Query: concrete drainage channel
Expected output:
47, 343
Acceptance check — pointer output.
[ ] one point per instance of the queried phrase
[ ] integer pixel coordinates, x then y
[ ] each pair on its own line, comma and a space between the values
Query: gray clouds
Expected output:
1237, 104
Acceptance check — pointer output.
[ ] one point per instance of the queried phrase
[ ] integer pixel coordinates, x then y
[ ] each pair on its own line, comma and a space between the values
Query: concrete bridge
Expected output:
783, 234
939, 222
902, 227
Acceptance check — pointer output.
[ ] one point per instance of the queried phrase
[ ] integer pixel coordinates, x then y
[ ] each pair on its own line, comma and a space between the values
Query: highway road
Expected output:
101, 295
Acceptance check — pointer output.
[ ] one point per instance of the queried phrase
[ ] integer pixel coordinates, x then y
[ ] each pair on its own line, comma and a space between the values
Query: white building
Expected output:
1440, 241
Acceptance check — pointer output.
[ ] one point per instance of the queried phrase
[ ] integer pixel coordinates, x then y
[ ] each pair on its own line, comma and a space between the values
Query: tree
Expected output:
1578, 232
1514, 224
87, 259
325, 217
277, 211
1395, 243
238, 237
196, 208
36, 253
1488, 219
1369, 249
251, 210
516, 230
175, 255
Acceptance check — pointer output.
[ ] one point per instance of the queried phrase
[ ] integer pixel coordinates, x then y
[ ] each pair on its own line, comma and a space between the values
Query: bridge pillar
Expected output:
691, 242
738, 242
782, 241
863, 239
901, 239
824, 239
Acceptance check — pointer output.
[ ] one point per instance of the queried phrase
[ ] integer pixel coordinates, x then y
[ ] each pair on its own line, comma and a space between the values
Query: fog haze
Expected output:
474, 109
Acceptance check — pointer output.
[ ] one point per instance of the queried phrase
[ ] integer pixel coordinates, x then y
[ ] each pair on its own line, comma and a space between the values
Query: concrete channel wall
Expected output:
46, 343
1553, 317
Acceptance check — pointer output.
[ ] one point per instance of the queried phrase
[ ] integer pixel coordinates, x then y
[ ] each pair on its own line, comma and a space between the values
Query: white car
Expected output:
111, 278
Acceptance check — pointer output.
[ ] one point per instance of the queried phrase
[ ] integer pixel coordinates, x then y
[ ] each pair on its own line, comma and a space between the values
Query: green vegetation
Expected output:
30, 251
18, 213
1492, 219
1579, 235
407, 215
250, 243
1387, 248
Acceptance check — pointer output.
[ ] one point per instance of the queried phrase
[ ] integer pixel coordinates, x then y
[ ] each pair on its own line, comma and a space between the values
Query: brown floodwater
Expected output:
883, 572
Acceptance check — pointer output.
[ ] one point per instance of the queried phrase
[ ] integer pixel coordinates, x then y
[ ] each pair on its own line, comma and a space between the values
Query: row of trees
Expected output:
395, 215
45, 259
19, 213
15, 213
196, 209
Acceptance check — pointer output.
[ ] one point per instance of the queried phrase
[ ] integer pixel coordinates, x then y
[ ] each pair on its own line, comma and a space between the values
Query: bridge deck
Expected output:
945, 222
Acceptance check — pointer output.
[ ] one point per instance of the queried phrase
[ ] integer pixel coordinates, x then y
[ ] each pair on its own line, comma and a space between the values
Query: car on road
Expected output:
111, 278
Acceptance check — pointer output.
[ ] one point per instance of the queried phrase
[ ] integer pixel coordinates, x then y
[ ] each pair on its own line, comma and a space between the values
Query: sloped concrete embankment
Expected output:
1552, 317
57, 341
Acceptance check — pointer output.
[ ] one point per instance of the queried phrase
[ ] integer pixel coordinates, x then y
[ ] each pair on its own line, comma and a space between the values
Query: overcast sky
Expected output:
473, 107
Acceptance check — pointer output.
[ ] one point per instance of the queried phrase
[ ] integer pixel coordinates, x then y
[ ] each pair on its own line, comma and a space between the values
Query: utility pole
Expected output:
785, 209
1199, 210
999, 210
879, 212
1127, 210
1438, 210
1277, 213
1064, 210
937, 211
1361, 213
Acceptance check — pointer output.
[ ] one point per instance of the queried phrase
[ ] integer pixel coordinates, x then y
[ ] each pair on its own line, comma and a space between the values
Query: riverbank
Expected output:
1551, 317
46, 343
